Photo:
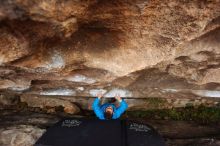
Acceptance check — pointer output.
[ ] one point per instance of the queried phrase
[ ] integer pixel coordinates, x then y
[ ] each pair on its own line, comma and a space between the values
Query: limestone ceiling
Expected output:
83, 46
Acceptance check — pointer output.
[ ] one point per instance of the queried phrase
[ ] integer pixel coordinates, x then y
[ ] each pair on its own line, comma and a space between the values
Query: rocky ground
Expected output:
25, 127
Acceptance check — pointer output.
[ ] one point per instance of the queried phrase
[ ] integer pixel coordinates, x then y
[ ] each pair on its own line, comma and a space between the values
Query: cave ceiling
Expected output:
139, 48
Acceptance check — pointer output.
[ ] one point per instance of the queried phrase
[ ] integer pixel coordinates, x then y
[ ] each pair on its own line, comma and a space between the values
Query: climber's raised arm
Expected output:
122, 108
97, 108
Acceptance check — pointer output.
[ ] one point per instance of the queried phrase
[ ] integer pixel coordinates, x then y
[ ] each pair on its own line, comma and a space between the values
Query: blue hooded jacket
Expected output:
100, 110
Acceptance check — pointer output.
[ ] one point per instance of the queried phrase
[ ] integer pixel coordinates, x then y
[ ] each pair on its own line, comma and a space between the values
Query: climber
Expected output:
109, 111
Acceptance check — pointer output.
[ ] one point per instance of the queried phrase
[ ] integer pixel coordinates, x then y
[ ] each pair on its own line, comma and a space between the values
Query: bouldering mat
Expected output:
94, 132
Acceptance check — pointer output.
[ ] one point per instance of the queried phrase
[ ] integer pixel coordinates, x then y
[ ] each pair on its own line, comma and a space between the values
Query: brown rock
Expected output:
45, 102
9, 99
16, 85
212, 75
13, 45
151, 48
20, 135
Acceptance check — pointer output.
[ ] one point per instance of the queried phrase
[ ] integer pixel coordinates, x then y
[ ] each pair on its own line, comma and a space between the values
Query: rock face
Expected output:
21, 135
47, 102
137, 48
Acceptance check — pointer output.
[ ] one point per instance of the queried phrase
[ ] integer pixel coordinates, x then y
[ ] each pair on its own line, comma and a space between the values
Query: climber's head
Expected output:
108, 112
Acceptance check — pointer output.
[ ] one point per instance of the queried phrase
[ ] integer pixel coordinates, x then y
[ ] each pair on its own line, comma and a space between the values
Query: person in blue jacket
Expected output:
109, 111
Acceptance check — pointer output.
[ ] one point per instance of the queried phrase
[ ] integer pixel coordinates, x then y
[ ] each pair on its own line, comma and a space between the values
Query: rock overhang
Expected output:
146, 48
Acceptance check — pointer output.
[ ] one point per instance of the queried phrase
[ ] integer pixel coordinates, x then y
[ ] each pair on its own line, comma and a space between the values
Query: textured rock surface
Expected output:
54, 54
50, 103
138, 48
20, 135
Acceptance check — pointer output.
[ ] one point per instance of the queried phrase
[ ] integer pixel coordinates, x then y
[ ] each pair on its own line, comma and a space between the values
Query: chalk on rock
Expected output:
121, 92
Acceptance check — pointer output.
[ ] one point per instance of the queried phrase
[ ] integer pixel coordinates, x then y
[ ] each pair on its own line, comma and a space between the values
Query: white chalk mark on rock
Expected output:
170, 90
80, 88
121, 92
19, 88
202, 93
81, 78
94, 92
56, 61
206, 93
64, 92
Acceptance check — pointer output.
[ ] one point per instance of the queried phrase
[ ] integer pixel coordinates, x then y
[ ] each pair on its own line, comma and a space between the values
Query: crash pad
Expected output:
94, 132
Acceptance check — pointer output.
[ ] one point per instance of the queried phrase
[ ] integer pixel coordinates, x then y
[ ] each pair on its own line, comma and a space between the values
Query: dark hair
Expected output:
108, 115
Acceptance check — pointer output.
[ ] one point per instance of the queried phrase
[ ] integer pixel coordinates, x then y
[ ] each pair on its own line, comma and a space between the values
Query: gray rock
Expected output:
20, 135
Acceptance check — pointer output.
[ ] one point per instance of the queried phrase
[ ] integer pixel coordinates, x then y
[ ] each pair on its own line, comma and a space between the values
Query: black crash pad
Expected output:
93, 132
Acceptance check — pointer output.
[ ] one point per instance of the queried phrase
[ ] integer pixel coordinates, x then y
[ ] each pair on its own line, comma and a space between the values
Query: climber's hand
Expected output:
118, 98
99, 95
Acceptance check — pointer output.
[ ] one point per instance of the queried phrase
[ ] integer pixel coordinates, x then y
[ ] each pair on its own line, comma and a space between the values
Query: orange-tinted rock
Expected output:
148, 48
13, 45
49, 102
